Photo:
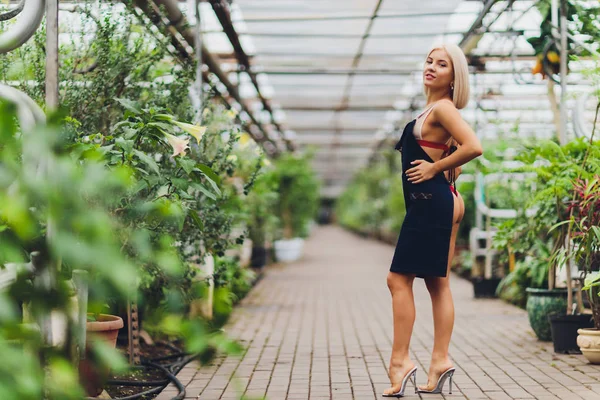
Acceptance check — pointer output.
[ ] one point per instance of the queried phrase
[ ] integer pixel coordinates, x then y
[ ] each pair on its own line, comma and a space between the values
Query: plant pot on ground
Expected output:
104, 328
540, 304
262, 221
259, 257
288, 250
296, 205
564, 330
483, 287
588, 341
589, 338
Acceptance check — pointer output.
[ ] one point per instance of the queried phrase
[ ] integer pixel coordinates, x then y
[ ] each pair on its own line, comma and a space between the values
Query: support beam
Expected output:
320, 71
178, 28
473, 35
331, 129
340, 108
52, 54
222, 12
300, 35
416, 56
564, 54
349, 17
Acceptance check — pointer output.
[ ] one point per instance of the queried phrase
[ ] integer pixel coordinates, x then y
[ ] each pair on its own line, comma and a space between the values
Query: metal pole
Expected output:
554, 17
52, 54
564, 53
80, 280
198, 50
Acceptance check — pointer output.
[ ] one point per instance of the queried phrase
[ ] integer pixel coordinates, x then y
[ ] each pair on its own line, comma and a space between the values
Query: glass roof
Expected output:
342, 76
345, 76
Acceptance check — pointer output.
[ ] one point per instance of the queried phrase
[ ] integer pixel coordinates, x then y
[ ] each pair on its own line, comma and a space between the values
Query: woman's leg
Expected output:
443, 308
403, 306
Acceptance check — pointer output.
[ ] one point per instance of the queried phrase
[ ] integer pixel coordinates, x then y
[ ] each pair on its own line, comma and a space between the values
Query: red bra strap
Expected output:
434, 145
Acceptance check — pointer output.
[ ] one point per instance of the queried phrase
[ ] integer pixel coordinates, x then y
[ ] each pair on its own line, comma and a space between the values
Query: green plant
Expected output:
260, 202
58, 205
585, 217
555, 168
530, 271
584, 233
135, 196
229, 274
115, 55
298, 190
582, 20
373, 202
592, 288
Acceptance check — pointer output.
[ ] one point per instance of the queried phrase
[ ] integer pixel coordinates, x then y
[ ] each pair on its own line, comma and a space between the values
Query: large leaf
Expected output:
126, 145
591, 280
162, 126
187, 164
209, 173
596, 230
557, 225
204, 190
212, 178
146, 159
196, 219
129, 105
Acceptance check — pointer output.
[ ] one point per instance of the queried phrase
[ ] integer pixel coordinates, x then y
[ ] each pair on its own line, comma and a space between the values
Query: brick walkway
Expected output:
321, 328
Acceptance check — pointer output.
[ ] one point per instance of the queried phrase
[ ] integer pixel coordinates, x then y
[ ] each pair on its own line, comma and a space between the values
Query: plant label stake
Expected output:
133, 333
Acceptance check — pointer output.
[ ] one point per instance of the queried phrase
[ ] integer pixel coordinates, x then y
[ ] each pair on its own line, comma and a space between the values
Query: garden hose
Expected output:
170, 370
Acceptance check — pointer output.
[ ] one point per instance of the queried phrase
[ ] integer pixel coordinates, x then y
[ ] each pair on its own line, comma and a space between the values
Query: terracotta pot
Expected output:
91, 375
589, 344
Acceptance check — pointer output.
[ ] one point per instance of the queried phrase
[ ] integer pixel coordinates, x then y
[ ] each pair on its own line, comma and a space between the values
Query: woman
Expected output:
433, 211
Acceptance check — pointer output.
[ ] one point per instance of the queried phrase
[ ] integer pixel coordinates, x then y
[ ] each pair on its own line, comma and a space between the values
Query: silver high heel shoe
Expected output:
412, 374
440, 383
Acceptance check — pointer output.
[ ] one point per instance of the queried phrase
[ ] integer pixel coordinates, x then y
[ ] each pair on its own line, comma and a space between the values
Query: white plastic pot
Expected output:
288, 250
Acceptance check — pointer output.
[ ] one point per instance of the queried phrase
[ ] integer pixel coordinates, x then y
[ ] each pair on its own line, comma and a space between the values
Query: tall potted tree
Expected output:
262, 221
297, 204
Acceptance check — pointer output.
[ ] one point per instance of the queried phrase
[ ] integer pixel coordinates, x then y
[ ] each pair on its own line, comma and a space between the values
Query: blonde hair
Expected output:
460, 94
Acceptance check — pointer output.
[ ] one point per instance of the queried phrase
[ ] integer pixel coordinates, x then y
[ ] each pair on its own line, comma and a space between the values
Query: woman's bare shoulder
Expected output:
445, 105
446, 112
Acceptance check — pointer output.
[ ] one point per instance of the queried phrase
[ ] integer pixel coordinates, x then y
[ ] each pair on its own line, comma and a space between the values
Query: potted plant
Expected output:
582, 244
530, 272
296, 205
543, 301
260, 202
92, 373
555, 167
585, 222
588, 339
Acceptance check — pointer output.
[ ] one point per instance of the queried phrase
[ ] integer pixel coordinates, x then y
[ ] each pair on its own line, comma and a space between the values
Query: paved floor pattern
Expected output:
321, 328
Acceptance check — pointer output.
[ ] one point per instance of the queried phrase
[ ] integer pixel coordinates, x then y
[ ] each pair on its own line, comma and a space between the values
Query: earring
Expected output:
451, 85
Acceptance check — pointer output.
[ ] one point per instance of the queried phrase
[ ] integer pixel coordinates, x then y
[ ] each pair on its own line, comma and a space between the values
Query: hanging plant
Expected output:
583, 21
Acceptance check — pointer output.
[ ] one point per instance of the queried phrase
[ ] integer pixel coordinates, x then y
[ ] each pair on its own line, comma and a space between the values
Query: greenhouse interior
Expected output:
231, 199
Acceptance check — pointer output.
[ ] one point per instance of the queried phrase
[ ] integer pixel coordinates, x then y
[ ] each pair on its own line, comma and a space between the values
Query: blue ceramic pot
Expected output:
540, 304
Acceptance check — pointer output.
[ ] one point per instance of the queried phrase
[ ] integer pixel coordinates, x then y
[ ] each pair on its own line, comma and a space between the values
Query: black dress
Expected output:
424, 239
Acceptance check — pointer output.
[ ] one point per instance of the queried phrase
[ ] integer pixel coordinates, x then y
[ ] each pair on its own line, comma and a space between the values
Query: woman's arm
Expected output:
470, 147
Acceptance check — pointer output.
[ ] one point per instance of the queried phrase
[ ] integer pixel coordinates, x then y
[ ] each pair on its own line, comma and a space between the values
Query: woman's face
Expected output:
438, 72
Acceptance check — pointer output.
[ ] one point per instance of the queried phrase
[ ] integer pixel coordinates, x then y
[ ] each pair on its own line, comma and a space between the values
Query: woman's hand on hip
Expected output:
422, 171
